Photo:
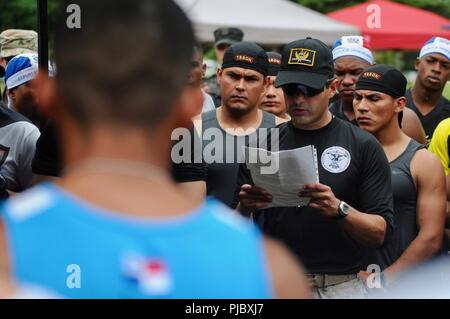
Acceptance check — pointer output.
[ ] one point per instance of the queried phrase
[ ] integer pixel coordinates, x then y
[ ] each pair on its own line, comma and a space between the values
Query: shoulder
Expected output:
229, 219
426, 167
425, 160
443, 127
409, 114
440, 136
209, 116
19, 134
28, 204
446, 102
8, 116
279, 120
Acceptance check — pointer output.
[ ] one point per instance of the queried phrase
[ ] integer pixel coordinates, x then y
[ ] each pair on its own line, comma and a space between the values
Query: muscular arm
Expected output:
431, 203
368, 229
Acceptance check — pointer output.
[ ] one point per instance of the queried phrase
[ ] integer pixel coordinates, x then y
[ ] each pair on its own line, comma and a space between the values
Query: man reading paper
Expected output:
351, 207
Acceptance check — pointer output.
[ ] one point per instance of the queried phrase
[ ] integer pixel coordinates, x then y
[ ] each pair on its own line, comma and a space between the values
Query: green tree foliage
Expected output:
22, 14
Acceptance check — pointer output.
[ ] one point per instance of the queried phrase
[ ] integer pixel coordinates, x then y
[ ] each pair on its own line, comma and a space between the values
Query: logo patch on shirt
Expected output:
302, 56
243, 58
335, 159
152, 275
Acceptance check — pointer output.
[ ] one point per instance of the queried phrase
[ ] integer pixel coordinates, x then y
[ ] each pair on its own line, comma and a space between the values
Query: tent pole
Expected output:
43, 34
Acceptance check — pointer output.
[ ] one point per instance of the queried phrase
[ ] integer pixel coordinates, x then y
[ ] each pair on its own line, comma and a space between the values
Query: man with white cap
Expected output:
18, 135
433, 71
20, 74
351, 55
14, 42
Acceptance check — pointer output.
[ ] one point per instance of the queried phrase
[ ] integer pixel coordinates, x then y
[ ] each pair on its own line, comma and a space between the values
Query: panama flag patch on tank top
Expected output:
152, 275
335, 159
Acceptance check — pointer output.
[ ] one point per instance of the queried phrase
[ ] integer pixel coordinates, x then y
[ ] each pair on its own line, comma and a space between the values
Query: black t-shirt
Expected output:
432, 119
359, 175
189, 171
47, 158
335, 108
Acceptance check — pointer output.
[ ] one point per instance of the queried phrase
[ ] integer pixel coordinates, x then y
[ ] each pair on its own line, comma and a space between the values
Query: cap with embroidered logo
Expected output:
274, 63
308, 62
383, 78
247, 55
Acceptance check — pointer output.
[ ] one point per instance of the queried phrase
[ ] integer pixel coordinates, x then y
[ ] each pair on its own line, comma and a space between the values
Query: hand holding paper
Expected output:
289, 171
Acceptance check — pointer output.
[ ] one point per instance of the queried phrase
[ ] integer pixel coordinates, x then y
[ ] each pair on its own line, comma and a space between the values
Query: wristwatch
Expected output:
343, 210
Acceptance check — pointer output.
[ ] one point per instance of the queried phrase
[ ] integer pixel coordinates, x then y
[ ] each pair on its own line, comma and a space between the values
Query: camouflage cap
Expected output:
15, 41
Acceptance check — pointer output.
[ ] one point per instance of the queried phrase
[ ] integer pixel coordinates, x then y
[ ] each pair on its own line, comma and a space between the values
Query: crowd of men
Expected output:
94, 181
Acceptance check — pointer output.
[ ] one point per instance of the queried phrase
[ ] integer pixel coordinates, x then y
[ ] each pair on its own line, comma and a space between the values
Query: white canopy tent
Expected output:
268, 22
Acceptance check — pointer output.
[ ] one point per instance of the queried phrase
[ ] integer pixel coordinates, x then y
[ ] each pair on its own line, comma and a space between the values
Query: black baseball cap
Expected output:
227, 35
308, 62
383, 78
247, 55
274, 63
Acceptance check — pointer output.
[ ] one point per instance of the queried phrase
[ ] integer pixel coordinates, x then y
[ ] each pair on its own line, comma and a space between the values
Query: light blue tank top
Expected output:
80, 251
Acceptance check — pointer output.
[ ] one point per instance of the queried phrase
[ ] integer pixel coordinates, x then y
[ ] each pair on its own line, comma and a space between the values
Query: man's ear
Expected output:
266, 84
203, 70
190, 104
417, 64
400, 104
332, 88
219, 75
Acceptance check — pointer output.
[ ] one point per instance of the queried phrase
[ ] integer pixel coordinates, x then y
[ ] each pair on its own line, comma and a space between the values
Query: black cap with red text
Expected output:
382, 78
247, 55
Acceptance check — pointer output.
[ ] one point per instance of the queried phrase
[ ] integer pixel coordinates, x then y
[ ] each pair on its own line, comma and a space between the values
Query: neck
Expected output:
424, 97
107, 164
283, 116
250, 120
322, 122
128, 144
390, 135
347, 108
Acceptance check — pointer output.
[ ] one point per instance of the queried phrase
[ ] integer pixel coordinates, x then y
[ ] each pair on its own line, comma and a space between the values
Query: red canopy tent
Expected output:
401, 26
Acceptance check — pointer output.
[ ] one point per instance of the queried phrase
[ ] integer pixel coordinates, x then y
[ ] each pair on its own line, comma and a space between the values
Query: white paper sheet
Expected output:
283, 174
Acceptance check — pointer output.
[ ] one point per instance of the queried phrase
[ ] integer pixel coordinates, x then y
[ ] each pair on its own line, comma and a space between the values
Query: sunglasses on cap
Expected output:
294, 89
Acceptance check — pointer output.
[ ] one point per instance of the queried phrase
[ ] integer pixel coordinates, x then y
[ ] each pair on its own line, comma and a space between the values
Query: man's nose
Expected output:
348, 79
240, 85
270, 92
